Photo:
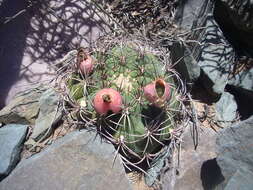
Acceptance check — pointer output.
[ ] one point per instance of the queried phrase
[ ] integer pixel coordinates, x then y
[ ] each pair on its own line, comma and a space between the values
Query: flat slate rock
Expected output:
242, 179
226, 109
235, 155
23, 108
239, 11
50, 113
235, 18
77, 161
192, 160
12, 137
189, 16
198, 168
32, 43
216, 58
243, 80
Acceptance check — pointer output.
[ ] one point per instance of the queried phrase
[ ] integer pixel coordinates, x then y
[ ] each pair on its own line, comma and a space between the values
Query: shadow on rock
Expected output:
211, 174
12, 44
234, 18
243, 99
32, 42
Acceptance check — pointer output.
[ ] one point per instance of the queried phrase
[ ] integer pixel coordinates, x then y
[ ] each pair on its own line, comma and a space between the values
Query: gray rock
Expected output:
11, 138
192, 160
189, 16
187, 64
156, 166
235, 19
195, 164
77, 161
239, 11
209, 62
39, 37
235, 155
226, 109
243, 97
216, 58
242, 179
49, 114
244, 80
23, 108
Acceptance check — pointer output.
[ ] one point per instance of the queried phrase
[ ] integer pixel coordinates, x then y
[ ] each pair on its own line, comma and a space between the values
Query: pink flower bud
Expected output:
84, 62
86, 66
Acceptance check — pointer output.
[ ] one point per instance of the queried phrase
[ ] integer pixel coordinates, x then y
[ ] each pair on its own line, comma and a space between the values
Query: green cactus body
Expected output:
142, 126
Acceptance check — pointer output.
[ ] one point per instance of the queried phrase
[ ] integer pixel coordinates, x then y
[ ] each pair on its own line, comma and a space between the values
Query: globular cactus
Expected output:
130, 96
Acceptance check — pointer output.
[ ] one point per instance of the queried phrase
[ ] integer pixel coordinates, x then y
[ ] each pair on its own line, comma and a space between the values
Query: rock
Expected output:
39, 106
38, 38
24, 108
239, 11
210, 62
226, 109
50, 113
235, 19
77, 161
216, 58
156, 166
242, 179
189, 16
243, 80
242, 97
192, 160
187, 64
198, 167
11, 138
235, 155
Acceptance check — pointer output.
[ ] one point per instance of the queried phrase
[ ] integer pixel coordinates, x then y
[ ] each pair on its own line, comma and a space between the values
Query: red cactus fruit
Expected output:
84, 62
157, 92
107, 100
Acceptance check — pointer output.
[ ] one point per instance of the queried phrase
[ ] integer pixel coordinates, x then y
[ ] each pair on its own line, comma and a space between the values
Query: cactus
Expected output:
130, 96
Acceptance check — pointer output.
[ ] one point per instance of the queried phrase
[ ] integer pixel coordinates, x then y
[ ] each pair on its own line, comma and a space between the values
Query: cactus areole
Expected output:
107, 100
